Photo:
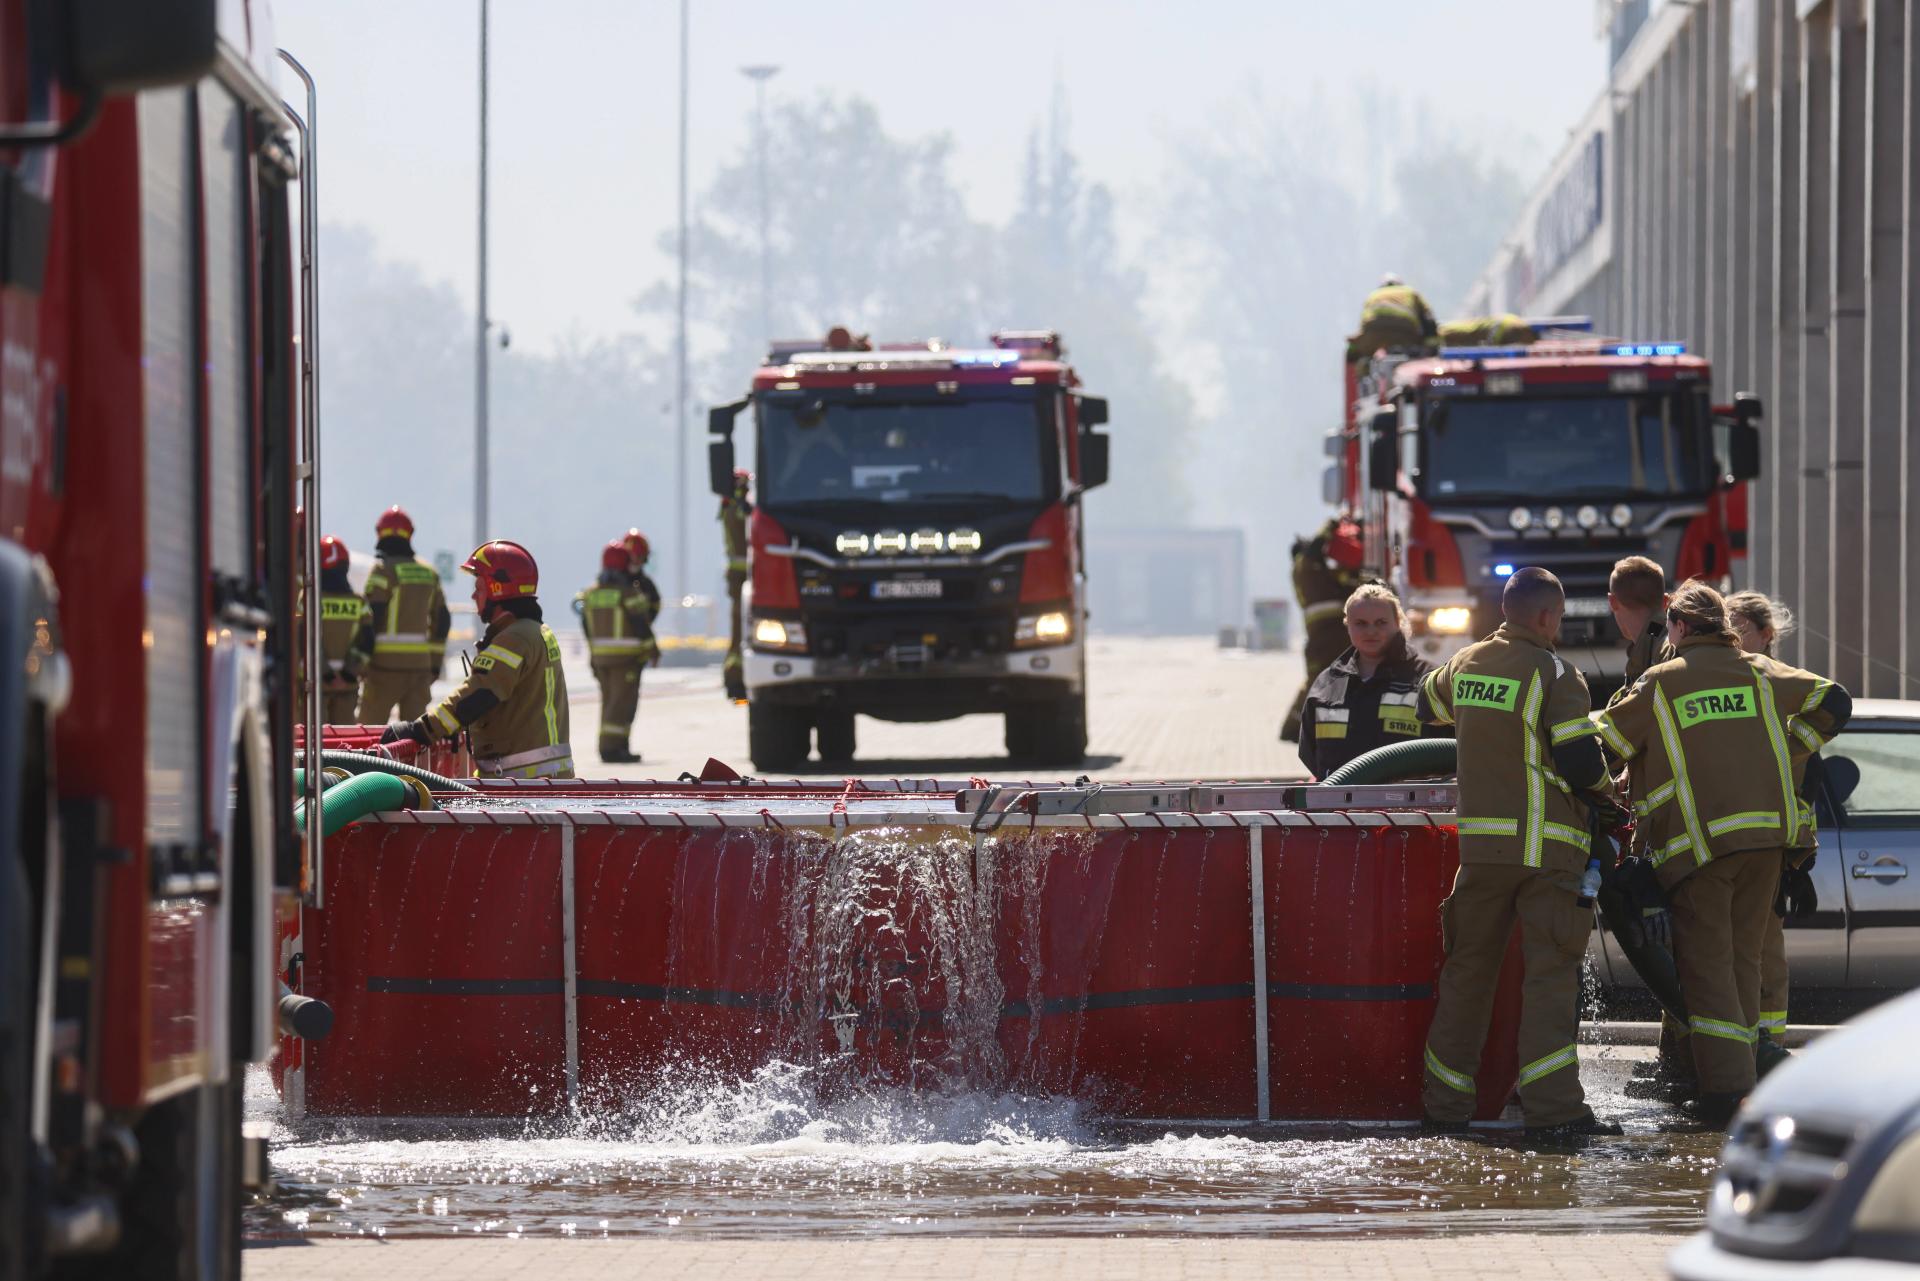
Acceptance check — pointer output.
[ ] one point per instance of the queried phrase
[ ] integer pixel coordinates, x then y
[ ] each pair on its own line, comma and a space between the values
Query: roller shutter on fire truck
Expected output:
169, 342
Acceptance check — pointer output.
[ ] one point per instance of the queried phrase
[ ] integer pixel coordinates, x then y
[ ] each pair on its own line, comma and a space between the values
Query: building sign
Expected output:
1571, 212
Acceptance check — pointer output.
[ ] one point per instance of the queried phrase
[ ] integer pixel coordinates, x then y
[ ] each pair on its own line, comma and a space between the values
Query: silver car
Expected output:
1820, 1175
1863, 944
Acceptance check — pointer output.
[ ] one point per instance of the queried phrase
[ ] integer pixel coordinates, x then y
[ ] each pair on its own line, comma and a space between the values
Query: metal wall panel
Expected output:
171, 456
1884, 208
1816, 314
1846, 344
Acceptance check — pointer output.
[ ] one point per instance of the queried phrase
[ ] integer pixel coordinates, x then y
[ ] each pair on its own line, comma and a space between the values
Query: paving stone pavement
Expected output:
1461, 1258
1160, 708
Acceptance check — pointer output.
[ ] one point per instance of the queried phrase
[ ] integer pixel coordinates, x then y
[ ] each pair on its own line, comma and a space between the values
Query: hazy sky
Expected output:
584, 103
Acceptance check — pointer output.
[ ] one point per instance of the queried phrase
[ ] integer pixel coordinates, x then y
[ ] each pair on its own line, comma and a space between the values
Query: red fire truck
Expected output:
1567, 454
915, 547
148, 464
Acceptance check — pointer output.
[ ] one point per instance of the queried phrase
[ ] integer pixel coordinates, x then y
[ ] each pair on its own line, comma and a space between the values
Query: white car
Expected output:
1820, 1176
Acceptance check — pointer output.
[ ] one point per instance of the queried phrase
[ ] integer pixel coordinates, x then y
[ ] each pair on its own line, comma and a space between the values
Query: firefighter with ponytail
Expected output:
513, 703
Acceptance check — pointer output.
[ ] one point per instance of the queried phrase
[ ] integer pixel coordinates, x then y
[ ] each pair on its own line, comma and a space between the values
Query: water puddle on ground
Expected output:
766, 1156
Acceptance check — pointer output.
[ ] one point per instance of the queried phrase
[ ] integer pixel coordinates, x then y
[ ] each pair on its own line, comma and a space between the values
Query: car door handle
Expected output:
1880, 872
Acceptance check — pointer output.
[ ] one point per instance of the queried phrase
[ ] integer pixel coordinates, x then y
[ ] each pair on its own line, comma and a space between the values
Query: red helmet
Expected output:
741, 479
636, 546
394, 523
333, 553
615, 556
507, 570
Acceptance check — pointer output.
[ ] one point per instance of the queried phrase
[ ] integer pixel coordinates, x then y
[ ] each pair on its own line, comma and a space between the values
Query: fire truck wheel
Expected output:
1052, 733
180, 1214
16, 1068
833, 731
1020, 736
777, 737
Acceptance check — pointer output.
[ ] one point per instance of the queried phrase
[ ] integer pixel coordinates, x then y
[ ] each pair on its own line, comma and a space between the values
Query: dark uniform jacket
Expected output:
1347, 716
1707, 734
1526, 746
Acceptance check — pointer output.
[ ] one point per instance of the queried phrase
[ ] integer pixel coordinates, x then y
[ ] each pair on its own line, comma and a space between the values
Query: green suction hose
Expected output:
1416, 758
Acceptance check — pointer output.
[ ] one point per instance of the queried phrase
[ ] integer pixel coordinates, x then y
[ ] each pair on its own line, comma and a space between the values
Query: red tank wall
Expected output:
1118, 970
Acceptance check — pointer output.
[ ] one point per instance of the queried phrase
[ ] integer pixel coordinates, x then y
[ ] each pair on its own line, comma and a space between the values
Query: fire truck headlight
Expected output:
1451, 620
1554, 518
1050, 628
1622, 515
1519, 518
890, 541
851, 544
1588, 516
773, 633
964, 541
926, 541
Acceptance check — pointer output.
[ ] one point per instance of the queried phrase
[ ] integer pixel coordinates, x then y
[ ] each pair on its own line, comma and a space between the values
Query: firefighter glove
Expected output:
404, 732
1797, 899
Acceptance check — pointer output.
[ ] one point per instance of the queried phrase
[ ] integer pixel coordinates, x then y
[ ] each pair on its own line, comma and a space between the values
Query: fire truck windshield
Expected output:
815, 450
1563, 447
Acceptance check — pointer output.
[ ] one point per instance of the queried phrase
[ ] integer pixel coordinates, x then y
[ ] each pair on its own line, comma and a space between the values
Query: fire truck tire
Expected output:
180, 1212
16, 1070
833, 732
777, 737
1051, 733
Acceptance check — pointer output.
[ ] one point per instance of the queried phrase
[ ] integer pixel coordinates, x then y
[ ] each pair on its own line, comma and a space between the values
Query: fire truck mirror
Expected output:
720, 466
118, 46
1330, 486
1383, 451
1335, 444
1093, 411
1747, 408
1743, 451
1093, 457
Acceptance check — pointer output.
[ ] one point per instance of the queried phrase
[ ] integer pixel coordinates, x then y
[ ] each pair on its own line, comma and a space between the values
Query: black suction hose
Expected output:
1415, 758
365, 762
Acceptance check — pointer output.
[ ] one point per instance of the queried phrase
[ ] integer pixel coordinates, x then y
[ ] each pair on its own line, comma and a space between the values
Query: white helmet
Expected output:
1391, 279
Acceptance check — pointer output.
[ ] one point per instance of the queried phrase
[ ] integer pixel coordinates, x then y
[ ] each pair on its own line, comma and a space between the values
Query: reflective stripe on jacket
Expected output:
618, 620
519, 664
1511, 701
408, 613
1708, 736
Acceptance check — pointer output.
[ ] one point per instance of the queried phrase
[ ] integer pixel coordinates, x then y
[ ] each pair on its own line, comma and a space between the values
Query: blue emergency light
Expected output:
1503, 570
1648, 349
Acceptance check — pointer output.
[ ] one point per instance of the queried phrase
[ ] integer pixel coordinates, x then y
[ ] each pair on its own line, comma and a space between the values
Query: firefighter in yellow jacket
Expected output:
1711, 730
1326, 570
617, 615
406, 627
1395, 317
1760, 621
343, 615
1526, 746
513, 704
734, 511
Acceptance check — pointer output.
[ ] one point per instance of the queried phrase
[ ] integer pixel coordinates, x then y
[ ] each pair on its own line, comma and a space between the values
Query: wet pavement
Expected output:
765, 1157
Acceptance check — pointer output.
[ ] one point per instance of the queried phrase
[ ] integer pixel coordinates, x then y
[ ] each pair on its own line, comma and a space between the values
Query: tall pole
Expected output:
680, 342
760, 75
480, 444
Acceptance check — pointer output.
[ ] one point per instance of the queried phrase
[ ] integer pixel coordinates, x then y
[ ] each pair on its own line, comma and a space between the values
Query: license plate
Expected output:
1588, 608
907, 589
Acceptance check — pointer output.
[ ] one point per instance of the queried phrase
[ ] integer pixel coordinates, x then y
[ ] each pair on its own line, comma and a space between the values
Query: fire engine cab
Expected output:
1568, 453
148, 467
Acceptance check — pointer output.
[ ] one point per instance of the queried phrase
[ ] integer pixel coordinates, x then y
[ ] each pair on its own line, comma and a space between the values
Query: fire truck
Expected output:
915, 546
149, 458
1568, 453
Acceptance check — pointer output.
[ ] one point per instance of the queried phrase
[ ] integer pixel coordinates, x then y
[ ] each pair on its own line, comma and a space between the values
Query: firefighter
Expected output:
617, 616
735, 508
405, 629
1365, 698
1760, 622
513, 704
1326, 569
1393, 317
1526, 747
1710, 730
1637, 597
343, 615
1506, 330
639, 551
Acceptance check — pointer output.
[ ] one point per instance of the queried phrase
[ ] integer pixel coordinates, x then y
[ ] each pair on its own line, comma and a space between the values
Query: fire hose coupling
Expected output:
306, 1017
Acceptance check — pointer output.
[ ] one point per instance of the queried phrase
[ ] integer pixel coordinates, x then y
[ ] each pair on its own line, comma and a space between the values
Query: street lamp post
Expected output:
680, 344
760, 74
480, 390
